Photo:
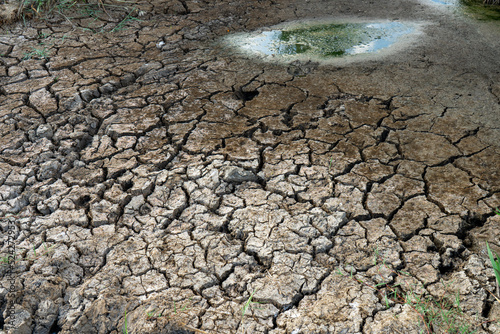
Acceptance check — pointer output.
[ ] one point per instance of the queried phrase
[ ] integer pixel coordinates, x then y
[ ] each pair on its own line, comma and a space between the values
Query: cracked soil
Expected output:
173, 179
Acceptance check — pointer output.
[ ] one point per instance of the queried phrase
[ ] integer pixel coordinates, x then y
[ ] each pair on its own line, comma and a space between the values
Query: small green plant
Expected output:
172, 317
497, 211
38, 53
65, 4
443, 314
5, 260
123, 22
42, 35
247, 304
125, 325
495, 263
152, 314
330, 165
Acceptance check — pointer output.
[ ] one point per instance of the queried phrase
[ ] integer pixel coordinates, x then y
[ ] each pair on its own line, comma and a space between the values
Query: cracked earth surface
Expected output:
172, 177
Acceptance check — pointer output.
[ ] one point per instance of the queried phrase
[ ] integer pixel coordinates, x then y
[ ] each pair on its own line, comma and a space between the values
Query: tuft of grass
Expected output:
6, 260
75, 10
153, 314
495, 263
438, 315
37, 53
483, 9
35, 7
127, 19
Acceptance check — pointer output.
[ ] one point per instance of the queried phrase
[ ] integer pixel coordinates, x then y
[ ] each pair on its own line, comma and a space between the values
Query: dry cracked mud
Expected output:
151, 176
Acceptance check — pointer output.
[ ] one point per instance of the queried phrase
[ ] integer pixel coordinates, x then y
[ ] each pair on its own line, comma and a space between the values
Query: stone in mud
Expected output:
176, 7
103, 213
49, 169
238, 175
44, 131
89, 94
72, 103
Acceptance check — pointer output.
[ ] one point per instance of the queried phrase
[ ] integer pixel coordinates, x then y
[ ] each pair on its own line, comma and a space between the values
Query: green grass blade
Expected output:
247, 305
495, 263
125, 327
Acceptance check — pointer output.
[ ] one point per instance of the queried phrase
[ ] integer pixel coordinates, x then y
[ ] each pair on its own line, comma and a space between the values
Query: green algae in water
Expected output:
326, 40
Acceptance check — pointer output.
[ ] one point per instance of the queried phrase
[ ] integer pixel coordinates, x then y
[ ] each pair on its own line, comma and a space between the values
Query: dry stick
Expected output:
101, 4
491, 293
67, 19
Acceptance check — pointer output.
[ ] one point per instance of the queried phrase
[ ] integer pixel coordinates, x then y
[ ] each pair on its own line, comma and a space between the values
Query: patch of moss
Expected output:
481, 11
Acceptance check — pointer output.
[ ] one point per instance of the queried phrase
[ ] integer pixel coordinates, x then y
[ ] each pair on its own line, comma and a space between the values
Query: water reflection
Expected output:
447, 2
324, 40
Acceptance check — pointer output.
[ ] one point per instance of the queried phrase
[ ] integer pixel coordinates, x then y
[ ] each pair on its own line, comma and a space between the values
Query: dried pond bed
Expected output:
172, 180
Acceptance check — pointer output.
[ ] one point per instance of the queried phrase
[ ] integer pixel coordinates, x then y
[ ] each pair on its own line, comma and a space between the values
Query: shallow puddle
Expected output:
447, 2
322, 40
